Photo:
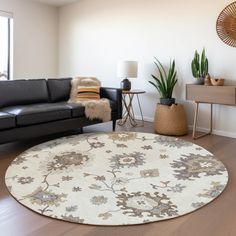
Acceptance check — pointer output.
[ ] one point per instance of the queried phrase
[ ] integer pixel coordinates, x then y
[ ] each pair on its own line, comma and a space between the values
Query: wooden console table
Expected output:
223, 95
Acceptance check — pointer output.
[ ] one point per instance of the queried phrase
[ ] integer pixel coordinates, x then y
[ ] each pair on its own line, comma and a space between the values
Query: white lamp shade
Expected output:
127, 69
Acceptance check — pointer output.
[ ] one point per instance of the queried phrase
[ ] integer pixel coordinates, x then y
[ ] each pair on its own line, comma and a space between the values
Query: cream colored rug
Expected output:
116, 178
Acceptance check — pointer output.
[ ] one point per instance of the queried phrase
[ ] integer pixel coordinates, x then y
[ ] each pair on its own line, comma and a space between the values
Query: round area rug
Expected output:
115, 178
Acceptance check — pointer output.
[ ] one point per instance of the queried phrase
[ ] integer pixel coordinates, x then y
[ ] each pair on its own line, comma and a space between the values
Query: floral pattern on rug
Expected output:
137, 204
119, 178
192, 166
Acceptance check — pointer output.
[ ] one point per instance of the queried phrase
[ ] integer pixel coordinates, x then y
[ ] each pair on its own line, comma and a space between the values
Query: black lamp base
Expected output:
125, 84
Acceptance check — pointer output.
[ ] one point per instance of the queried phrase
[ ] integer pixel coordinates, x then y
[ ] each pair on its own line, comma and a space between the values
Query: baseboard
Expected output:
215, 131
148, 119
200, 129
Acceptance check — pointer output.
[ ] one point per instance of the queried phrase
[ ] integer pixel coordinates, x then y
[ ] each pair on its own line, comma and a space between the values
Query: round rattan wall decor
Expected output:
226, 25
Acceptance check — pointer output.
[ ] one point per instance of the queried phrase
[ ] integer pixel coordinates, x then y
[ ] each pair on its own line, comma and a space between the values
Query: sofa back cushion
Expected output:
21, 92
59, 89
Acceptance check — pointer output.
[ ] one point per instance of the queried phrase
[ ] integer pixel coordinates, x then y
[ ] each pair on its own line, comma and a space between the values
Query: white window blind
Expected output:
6, 44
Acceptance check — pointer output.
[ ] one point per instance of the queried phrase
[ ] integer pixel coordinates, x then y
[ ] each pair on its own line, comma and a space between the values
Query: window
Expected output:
6, 32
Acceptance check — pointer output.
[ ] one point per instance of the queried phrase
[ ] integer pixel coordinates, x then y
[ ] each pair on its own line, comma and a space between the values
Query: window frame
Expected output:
9, 17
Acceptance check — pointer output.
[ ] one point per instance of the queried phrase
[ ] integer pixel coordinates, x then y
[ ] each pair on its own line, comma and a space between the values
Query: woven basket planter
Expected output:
170, 120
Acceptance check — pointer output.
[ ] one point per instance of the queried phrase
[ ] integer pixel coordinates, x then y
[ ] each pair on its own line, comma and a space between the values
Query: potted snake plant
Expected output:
165, 82
199, 67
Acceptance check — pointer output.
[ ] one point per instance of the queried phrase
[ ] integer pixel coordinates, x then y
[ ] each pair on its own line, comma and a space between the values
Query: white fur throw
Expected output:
94, 109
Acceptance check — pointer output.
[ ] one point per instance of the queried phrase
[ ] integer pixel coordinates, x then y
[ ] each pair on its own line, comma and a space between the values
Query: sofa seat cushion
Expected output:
39, 113
77, 110
7, 121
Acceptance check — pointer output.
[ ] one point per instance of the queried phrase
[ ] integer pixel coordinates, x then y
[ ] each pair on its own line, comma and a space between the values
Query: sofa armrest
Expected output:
113, 94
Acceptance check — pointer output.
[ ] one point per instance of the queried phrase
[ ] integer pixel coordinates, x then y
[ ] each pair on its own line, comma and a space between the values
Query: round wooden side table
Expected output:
128, 112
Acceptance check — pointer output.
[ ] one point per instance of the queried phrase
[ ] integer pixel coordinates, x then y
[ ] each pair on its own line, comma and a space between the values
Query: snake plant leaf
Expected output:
195, 71
162, 76
159, 85
161, 66
170, 76
203, 60
154, 85
166, 81
196, 60
173, 83
206, 67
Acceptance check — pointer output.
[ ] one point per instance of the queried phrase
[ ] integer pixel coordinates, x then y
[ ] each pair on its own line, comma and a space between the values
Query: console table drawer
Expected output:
212, 94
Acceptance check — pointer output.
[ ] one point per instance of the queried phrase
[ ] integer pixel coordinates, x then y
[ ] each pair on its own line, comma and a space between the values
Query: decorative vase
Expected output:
207, 80
125, 84
167, 101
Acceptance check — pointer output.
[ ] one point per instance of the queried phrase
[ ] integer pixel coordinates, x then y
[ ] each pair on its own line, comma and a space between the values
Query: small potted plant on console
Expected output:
199, 67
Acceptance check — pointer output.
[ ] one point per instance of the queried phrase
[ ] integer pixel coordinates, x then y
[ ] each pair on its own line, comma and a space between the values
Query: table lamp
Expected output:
125, 70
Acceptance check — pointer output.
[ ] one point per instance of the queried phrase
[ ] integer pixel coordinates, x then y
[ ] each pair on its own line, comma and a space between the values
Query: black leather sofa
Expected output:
34, 108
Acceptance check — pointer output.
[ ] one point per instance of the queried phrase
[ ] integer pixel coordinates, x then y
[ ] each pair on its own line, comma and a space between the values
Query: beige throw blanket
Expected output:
94, 109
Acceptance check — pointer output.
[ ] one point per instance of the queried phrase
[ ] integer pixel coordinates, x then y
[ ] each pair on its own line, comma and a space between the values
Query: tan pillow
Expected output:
82, 81
88, 93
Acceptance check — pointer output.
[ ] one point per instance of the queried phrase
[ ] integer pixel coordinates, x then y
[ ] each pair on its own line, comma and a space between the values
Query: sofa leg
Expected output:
114, 125
81, 130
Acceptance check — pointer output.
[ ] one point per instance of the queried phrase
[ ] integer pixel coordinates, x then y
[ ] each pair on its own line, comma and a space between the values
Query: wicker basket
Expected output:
170, 120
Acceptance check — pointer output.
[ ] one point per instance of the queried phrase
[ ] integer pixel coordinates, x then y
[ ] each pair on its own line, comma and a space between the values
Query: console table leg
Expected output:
195, 122
211, 122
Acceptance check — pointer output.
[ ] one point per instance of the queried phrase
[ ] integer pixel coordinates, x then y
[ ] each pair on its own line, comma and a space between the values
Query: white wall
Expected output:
35, 38
95, 34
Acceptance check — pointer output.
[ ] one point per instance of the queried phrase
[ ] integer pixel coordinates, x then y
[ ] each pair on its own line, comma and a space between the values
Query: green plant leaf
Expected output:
154, 85
196, 60
166, 81
161, 66
203, 59
206, 66
170, 77
195, 69
158, 84
162, 77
